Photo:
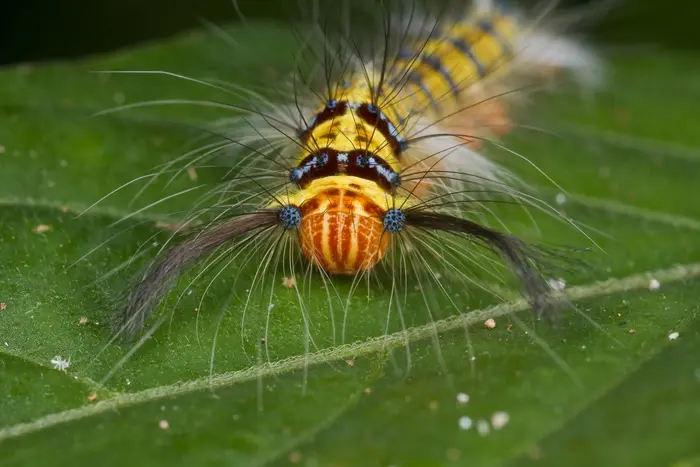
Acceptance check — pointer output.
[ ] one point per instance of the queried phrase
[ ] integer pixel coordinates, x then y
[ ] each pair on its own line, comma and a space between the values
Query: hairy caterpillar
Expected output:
385, 158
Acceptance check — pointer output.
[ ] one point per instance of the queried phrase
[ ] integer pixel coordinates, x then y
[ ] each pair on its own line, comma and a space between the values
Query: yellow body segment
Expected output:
341, 228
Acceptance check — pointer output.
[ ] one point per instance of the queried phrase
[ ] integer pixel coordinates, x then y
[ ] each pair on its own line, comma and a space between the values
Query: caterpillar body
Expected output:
390, 151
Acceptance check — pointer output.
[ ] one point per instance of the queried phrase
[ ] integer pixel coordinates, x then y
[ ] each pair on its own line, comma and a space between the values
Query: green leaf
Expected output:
330, 387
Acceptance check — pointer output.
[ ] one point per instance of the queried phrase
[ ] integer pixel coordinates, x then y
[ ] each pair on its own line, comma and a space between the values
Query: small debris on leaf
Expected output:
289, 282
59, 363
654, 284
490, 323
3, 306
83, 321
483, 427
499, 420
350, 362
119, 98
462, 398
465, 423
164, 425
92, 397
632, 331
41, 228
557, 284
192, 174
673, 336
368, 390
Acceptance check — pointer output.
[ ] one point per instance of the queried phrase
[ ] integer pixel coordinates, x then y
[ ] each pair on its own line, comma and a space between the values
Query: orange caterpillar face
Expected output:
342, 232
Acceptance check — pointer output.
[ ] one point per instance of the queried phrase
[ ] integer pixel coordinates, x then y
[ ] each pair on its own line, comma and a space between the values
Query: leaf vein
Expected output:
370, 346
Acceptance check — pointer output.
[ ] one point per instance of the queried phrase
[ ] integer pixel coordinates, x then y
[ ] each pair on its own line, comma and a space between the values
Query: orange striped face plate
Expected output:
342, 232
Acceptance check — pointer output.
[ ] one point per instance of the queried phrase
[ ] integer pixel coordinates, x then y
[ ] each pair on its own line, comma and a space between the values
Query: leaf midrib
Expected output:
374, 345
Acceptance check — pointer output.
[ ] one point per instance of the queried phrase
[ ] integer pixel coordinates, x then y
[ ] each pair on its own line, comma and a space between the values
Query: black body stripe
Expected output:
358, 163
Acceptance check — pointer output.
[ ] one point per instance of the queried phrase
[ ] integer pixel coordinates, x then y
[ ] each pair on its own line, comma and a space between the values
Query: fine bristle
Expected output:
396, 139
160, 275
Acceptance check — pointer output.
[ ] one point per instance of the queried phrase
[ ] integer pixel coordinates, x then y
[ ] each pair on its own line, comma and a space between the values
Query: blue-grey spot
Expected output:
394, 179
290, 217
295, 175
394, 220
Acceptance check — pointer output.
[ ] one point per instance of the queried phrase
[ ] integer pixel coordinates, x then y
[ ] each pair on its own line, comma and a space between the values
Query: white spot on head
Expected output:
673, 336
499, 420
465, 423
654, 284
462, 398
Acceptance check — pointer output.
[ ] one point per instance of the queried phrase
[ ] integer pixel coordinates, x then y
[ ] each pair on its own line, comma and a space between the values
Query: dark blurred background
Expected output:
32, 30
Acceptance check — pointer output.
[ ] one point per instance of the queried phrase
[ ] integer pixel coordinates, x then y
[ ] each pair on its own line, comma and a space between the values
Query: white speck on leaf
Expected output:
462, 398
192, 174
60, 364
119, 98
465, 423
490, 323
557, 284
673, 336
560, 199
499, 420
41, 228
289, 282
164, 425
654, 284
483, 427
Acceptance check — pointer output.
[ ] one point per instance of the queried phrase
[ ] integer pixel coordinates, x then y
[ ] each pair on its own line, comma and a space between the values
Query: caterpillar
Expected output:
386, 159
